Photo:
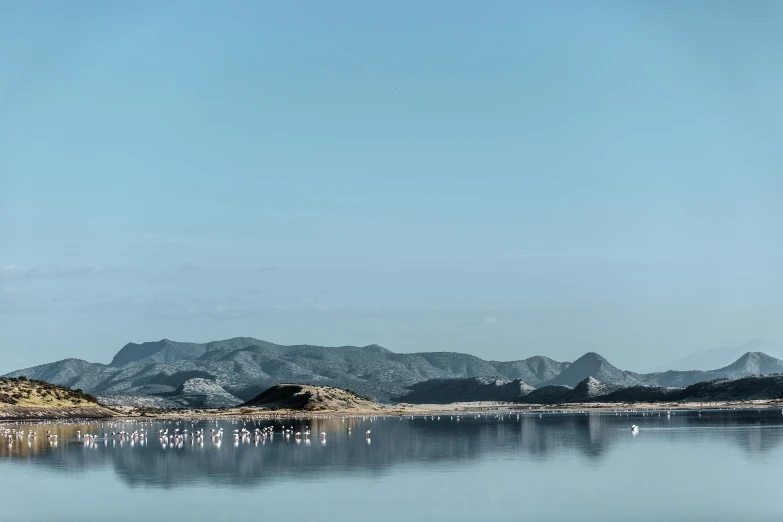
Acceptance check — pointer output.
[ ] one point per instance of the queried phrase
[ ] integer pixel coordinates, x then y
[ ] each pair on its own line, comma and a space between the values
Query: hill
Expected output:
587, 390
744, 389
445, 391
550, 394
720, 390
590, 389
23, 398
312, 398
752, 363
593, 365
769, 387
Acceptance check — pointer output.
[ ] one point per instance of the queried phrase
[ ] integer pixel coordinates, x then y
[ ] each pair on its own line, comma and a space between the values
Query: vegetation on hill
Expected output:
21, 391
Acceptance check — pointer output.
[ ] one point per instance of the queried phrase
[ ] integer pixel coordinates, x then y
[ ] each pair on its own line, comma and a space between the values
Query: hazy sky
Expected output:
500, 178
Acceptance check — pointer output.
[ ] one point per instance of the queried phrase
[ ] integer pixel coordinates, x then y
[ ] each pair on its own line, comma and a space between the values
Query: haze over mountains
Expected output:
227, 373
719, 357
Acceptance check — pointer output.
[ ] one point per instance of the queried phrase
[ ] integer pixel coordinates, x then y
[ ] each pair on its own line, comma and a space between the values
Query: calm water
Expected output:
713, 466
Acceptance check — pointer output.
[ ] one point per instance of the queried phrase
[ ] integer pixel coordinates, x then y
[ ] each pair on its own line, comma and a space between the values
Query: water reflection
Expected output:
341, 445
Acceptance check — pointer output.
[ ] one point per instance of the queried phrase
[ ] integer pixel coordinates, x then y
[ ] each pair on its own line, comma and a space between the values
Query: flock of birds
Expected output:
175, 437
12, 435
118, 430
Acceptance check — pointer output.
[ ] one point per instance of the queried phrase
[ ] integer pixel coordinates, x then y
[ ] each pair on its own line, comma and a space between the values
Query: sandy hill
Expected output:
23, 398
312, 398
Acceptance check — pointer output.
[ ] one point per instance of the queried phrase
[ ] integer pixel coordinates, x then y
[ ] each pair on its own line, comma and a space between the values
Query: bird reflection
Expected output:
190, 450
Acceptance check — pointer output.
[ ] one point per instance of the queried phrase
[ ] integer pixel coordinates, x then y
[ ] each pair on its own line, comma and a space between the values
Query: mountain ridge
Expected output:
238, 369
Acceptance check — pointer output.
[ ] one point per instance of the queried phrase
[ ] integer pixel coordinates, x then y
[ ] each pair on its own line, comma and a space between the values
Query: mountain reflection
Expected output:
424, 442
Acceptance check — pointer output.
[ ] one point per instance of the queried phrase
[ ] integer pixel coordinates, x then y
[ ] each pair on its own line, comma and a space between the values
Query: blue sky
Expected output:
503, 178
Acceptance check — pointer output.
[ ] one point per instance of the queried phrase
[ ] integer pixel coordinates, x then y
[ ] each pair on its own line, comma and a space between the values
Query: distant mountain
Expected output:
198, 392
72, 373
241, 368
534, 370
229, 372
753, 363
550, 394
767, 387
445, 391
593, 365
165, 351
744, 389
720, 357
641, 393
588, 390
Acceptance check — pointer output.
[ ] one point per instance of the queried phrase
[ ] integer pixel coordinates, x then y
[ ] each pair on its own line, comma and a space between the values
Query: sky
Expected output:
499, 178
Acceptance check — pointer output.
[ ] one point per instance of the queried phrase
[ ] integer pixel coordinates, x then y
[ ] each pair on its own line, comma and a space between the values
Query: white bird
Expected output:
634, 428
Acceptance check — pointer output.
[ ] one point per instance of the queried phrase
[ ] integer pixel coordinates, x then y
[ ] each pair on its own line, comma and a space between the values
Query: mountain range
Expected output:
227, 373
756, 387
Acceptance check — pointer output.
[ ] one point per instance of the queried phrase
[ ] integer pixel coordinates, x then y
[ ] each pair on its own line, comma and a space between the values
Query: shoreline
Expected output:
27, 414
45, 413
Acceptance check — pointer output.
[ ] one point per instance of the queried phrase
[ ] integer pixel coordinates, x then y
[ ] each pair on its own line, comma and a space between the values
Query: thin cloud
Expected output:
70, 271
16, 272
35, 272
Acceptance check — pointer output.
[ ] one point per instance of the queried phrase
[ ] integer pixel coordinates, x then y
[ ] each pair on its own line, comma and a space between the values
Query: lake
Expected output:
713, 465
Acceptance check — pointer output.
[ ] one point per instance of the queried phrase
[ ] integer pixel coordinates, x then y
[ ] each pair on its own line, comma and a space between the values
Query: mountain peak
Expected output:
591, 356
722, 357
377, 348
593, 365
592, 387
755, 363
756, 356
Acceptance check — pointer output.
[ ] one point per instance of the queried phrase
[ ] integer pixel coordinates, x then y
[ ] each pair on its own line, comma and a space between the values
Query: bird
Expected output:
634, 428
